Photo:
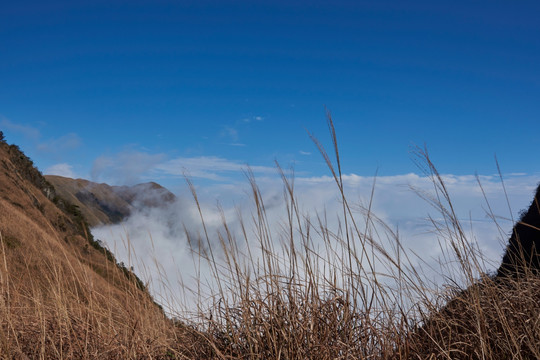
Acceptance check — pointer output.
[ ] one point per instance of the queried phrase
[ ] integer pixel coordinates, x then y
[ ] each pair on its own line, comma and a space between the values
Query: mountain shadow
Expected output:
522, 251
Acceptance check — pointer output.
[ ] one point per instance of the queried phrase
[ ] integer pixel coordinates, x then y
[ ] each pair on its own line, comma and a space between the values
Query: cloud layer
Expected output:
130, 167
125, 168
160, 236
61, 169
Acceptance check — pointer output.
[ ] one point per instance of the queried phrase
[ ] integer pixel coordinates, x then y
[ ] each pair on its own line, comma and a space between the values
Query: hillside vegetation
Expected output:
62, 295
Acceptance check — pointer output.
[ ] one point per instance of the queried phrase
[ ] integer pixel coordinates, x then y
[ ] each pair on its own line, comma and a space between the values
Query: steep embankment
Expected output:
104, 204
62, 295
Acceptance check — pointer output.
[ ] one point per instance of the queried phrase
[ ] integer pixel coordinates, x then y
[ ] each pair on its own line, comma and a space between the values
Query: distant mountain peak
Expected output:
105, 204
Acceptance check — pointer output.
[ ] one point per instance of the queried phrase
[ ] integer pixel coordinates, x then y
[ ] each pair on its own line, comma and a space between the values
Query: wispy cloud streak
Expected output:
208, 167
62, 169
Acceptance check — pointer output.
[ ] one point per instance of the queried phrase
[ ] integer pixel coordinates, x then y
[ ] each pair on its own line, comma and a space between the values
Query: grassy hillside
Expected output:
62, 295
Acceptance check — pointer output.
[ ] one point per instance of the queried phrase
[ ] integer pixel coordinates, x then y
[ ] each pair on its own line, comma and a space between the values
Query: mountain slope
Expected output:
62, 295
104, 204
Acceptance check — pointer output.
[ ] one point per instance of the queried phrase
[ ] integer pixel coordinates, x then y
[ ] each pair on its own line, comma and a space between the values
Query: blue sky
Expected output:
130, 91
125, 91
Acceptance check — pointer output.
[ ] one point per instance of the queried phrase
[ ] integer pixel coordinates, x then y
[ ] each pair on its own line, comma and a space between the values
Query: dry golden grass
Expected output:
69, 311
358, 299
272, 297
489, 320
61, 298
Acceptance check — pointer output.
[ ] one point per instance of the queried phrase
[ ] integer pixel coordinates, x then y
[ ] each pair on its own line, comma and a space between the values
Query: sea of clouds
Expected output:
155, 240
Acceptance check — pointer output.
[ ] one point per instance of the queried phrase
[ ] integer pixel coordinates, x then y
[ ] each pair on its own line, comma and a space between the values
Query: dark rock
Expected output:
521, 254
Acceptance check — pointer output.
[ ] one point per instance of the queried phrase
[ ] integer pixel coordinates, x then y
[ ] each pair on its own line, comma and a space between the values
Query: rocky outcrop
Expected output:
522, 252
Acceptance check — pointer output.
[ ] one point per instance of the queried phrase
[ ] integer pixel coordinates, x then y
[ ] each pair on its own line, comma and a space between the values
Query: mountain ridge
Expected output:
103, 204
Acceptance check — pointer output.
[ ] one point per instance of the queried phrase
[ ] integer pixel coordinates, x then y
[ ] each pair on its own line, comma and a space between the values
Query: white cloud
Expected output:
27, 131
67, 142
253, 118
162, 232
128, 167
304, 152
62, 169
230, 133
208, 167
54, 146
